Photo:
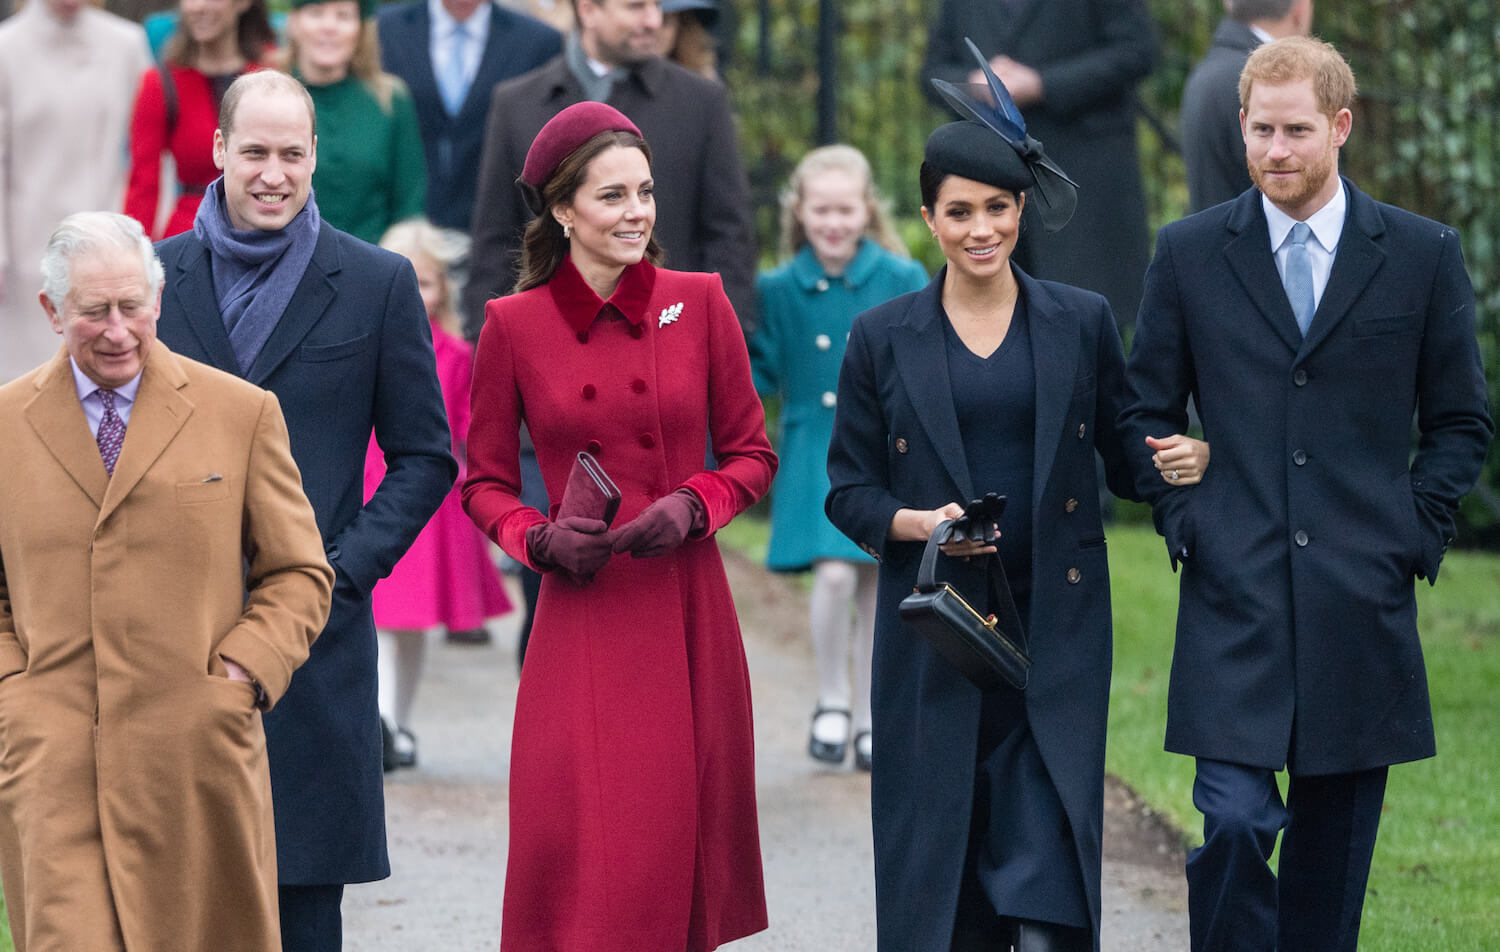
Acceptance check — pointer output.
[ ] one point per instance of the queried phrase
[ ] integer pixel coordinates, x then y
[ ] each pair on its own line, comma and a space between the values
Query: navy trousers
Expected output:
310, 918
1314, 900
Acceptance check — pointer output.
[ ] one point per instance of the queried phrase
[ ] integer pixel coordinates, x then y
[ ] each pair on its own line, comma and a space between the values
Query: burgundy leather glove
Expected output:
577, 546
661, 526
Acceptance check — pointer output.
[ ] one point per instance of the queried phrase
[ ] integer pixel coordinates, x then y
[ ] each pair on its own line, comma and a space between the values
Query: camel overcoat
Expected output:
135, 800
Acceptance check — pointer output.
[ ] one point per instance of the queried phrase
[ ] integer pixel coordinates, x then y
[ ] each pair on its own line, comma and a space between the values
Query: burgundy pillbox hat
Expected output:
567, 131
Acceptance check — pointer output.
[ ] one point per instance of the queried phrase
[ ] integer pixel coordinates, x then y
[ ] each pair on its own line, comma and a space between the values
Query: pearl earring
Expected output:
567, 232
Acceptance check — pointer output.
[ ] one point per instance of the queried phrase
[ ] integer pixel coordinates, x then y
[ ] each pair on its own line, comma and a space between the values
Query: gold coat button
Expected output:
901, 446
1073, 576
1070, 505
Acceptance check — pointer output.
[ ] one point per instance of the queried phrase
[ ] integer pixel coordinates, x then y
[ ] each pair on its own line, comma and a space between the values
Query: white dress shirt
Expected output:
440, 39
1327, 224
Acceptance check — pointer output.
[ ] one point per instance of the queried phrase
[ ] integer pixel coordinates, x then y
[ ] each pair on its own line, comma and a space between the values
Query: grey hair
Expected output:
1248, 11
88, 231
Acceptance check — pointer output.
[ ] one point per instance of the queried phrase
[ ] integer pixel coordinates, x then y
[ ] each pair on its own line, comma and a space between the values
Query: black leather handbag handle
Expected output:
1000, 594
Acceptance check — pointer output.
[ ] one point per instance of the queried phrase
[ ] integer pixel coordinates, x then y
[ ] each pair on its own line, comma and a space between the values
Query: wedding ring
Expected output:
1172, 475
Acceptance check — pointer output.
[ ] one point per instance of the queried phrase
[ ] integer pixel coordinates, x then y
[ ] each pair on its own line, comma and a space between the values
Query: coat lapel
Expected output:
1357, 260
1249, 256
1054, 354
194, 286
57, 418
312, 297
491, 67
417, 37
921, 355
159, 412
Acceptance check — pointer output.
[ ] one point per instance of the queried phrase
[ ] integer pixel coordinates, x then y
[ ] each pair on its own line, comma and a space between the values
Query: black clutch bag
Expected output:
989, 650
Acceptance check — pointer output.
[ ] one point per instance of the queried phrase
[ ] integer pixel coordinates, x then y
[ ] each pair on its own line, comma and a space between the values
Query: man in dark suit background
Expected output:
336, 329
451, 54
1072, 67
703, 210
1212, 147
1311, 324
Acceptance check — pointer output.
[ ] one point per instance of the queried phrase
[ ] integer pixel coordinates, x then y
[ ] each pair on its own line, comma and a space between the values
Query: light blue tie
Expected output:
1298, 279
454, 82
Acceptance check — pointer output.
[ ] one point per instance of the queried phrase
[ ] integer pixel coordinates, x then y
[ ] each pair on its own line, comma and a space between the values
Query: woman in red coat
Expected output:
177, 108
632, 790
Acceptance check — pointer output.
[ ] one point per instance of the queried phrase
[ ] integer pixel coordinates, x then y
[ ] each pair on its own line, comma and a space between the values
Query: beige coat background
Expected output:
66, 95
135, 802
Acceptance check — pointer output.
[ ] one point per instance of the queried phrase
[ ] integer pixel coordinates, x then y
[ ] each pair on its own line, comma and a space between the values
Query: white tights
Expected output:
838, 587
398, 664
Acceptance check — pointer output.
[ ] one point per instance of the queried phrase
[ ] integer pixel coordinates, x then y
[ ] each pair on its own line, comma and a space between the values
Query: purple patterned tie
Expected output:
111, 431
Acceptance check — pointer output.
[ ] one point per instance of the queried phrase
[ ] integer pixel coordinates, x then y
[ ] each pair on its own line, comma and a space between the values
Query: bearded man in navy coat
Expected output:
1297, 641
335, 327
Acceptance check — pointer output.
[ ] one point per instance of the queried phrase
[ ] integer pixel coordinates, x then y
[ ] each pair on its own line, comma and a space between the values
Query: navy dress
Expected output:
1020, 860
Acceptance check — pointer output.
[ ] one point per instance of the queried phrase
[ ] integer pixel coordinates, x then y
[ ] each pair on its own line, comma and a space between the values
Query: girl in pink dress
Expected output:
447, 576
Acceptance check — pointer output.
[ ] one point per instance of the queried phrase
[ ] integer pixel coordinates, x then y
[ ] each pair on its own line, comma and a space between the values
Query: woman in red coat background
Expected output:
632, 791
177, 108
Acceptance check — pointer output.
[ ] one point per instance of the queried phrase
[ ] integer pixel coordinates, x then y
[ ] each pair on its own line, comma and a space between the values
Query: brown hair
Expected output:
543, 247
253, 35
852, 163
1295, 58
266, 80
695, 48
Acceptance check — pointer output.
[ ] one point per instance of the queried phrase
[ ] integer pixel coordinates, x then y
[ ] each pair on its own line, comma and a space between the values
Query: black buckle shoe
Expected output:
829, 753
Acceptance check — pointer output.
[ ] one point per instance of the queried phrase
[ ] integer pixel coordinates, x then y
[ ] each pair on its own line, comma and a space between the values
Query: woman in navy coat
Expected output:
988, 805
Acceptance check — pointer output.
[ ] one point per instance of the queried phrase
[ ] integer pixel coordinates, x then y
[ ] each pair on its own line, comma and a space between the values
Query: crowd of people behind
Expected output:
352, 297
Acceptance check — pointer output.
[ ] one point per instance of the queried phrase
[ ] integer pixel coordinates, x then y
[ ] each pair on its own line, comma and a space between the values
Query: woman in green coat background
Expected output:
371, 170
841, 256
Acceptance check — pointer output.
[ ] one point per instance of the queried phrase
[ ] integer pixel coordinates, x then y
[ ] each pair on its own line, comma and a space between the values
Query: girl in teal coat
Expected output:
841, 257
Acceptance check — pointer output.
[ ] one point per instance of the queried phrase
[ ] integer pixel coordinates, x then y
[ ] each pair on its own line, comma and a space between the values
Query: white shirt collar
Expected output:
1260, 34
443, 24
86, 386
1327, 223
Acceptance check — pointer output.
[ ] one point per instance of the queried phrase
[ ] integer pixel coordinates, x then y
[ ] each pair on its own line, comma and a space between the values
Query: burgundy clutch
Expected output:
590, 493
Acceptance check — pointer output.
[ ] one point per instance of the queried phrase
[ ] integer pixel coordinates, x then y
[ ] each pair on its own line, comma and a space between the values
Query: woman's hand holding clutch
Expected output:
578, 546
1181, 460
661, 526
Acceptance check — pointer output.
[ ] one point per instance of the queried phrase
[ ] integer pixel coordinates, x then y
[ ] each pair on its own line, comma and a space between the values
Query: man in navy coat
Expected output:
1297, 637
451, 54
336, 329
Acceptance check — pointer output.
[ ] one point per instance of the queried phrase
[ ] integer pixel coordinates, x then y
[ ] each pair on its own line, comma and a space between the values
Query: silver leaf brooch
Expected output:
668, 315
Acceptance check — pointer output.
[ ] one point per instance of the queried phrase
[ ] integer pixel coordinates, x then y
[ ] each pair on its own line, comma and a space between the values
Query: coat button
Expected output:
1073, 576
822, 284
583, 337
1070, 505
593, 447
901, 446
647, 440
1082, 429
829, 399
637, 331
589, 392
1300, 378
823, 342
1299, 457
1300, 537
639, 386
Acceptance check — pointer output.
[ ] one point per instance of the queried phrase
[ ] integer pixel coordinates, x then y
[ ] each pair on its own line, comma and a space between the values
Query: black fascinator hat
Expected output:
991, 145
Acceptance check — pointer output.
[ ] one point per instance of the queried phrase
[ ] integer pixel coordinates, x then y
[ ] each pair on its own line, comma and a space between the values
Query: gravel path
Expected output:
446, 819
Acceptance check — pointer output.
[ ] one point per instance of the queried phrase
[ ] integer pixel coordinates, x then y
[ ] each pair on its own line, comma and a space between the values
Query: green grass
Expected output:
1435, 883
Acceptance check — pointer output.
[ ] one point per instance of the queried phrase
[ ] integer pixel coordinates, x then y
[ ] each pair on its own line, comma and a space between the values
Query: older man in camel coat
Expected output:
161, 577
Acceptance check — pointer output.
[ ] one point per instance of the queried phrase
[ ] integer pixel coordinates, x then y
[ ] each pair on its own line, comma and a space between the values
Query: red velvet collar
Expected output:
580, 306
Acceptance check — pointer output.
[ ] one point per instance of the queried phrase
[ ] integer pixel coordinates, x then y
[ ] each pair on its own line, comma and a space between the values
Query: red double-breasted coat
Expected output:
632, 791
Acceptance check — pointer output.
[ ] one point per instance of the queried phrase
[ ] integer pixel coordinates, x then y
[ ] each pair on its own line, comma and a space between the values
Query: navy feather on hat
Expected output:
992, 146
